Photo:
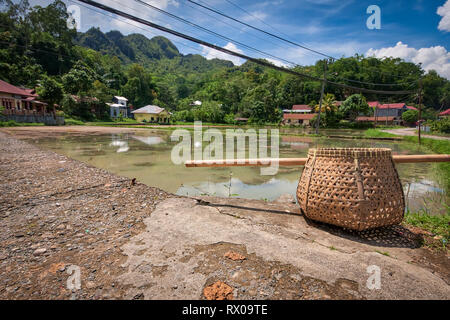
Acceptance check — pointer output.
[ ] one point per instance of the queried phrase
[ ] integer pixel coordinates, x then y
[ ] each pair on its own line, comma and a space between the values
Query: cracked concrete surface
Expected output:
185, 239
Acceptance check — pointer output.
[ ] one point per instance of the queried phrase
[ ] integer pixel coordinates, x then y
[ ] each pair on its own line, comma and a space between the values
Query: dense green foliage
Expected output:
410, 116
440, 126
37, 49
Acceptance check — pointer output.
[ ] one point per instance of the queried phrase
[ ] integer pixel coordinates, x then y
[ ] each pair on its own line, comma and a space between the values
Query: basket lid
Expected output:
351, 152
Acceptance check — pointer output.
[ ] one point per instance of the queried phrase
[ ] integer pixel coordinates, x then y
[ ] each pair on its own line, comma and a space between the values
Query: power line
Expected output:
244, 45
260, 30
276, 36
230, 52
212, 32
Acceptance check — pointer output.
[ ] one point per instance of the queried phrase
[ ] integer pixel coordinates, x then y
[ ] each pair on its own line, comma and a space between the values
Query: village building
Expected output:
22, 105
241, 120
152, 113
298, 108
388, 113
298, 119
444, 114
119, 108
196, 103
300, 114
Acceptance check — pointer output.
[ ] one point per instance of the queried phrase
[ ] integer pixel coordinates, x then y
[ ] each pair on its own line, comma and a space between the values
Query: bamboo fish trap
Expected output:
355, 188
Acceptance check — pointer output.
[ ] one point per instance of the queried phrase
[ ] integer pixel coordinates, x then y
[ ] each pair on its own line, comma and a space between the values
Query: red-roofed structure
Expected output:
373, 104
301, 107
21, 105
445, 113
298, 118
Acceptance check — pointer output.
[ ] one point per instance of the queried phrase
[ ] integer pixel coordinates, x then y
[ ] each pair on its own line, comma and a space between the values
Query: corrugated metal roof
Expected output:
149, 109
392, 106
301, 107
445, 113
9, 88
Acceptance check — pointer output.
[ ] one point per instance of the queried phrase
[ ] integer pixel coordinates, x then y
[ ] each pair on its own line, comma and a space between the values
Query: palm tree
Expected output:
328, 104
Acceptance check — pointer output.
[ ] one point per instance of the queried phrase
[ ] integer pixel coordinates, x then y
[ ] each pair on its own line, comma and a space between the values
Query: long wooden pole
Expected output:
301, 161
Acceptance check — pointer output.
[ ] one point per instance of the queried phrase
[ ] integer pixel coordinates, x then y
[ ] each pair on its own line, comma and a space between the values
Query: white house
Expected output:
119, 107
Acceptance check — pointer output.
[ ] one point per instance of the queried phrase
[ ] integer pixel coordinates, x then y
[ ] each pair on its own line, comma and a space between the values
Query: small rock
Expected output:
39, 251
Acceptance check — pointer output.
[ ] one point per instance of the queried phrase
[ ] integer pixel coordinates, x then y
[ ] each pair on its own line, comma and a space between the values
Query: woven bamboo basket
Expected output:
355, 188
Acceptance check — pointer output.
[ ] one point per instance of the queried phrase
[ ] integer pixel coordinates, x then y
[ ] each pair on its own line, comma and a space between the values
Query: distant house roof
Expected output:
9, 88
373, 103
120, 98
301, 107
392, 106
296, 116
240, 119
445, 113
196, 103
372, 119
116, 105
149, 109
83, 98
411, 108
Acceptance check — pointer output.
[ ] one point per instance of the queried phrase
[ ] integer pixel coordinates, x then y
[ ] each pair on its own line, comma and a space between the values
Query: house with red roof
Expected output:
445, 113
300, 114
22, 105
388, 113
298, 118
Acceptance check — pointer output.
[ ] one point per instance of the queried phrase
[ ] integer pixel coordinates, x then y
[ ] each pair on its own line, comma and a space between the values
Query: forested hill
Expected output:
136, 48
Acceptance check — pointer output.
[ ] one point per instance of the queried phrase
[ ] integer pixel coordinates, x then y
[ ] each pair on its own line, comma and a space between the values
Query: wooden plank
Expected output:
301, 161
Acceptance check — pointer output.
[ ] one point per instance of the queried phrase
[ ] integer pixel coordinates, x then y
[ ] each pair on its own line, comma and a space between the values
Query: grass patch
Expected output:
438, 225
384, 253
12, 123
73, 122
375, 133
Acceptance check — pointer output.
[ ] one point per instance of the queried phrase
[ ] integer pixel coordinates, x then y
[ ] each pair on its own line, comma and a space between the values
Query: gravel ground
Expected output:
57, 212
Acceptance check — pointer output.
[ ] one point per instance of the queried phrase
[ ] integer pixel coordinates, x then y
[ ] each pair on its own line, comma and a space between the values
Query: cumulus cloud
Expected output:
432, 58
444, 11
210, 53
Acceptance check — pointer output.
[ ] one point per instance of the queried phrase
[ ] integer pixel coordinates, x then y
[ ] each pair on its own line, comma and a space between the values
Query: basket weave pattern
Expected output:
355, 188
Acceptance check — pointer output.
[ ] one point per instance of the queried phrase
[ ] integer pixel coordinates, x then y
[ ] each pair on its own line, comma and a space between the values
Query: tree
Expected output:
50, 90
353, 106
410, 116
79, 80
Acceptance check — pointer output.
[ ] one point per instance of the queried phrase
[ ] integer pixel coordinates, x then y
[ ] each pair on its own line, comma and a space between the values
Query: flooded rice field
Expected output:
146, 155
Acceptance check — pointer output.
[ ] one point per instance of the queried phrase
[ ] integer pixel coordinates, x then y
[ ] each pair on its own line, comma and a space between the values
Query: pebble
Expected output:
39, 251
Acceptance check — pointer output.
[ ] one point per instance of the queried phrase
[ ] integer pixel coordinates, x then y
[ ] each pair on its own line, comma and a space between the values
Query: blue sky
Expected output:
416, 30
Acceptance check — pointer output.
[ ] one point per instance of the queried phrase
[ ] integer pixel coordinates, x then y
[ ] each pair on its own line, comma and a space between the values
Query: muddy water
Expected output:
147, 157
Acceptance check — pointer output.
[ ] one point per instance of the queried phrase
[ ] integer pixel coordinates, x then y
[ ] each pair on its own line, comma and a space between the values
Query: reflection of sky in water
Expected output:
146, 156
149, 140
123, 145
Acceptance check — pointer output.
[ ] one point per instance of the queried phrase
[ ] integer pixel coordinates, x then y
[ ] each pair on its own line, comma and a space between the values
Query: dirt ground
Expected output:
412, 132
132, 241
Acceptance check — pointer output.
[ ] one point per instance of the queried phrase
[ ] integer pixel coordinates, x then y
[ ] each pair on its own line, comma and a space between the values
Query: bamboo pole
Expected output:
301, 161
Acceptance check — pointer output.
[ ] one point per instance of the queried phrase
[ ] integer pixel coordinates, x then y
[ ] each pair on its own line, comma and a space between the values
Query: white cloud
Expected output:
432, 58
210, 53
444, 11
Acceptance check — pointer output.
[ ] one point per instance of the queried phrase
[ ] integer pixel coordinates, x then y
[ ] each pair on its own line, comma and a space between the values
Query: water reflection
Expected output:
146, 156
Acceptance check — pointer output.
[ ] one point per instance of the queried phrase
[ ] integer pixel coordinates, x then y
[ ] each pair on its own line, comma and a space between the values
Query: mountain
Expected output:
137, 48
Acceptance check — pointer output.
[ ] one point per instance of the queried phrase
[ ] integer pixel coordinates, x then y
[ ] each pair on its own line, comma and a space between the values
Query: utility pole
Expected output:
420, 108
321, 95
